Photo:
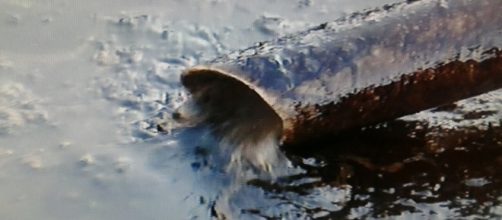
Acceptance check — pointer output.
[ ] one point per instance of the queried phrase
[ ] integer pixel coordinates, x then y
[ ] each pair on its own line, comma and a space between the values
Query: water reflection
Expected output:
405, 168
398, 169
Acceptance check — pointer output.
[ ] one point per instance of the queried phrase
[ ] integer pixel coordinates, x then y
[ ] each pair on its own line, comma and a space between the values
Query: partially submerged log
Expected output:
368, 68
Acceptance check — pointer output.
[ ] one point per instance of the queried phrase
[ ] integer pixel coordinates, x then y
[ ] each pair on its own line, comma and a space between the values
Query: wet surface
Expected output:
425, 166
406, 169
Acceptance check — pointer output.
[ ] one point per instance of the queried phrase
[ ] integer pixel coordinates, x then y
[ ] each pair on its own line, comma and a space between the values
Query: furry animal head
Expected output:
240, 119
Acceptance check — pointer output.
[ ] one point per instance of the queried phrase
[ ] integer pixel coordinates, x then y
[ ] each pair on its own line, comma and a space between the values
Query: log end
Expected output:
236, 114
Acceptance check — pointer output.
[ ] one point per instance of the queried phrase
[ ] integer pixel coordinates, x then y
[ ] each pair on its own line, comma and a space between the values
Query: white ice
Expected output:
82, 82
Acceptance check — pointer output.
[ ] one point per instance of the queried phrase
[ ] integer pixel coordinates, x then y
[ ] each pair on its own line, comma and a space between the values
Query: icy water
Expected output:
84, 86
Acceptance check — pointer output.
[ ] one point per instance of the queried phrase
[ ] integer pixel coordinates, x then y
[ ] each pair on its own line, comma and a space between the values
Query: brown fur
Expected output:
237, 115
234, 110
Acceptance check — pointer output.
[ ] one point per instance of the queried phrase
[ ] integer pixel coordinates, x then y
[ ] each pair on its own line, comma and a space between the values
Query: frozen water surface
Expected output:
83, 85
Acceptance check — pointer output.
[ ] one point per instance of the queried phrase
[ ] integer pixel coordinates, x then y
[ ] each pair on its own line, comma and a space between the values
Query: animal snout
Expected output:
188, 113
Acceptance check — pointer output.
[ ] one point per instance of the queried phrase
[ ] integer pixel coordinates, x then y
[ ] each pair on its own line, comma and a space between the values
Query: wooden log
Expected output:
363, 69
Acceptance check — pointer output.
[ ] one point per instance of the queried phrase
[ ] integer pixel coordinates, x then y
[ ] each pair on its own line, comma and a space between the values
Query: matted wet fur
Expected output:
244, 124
